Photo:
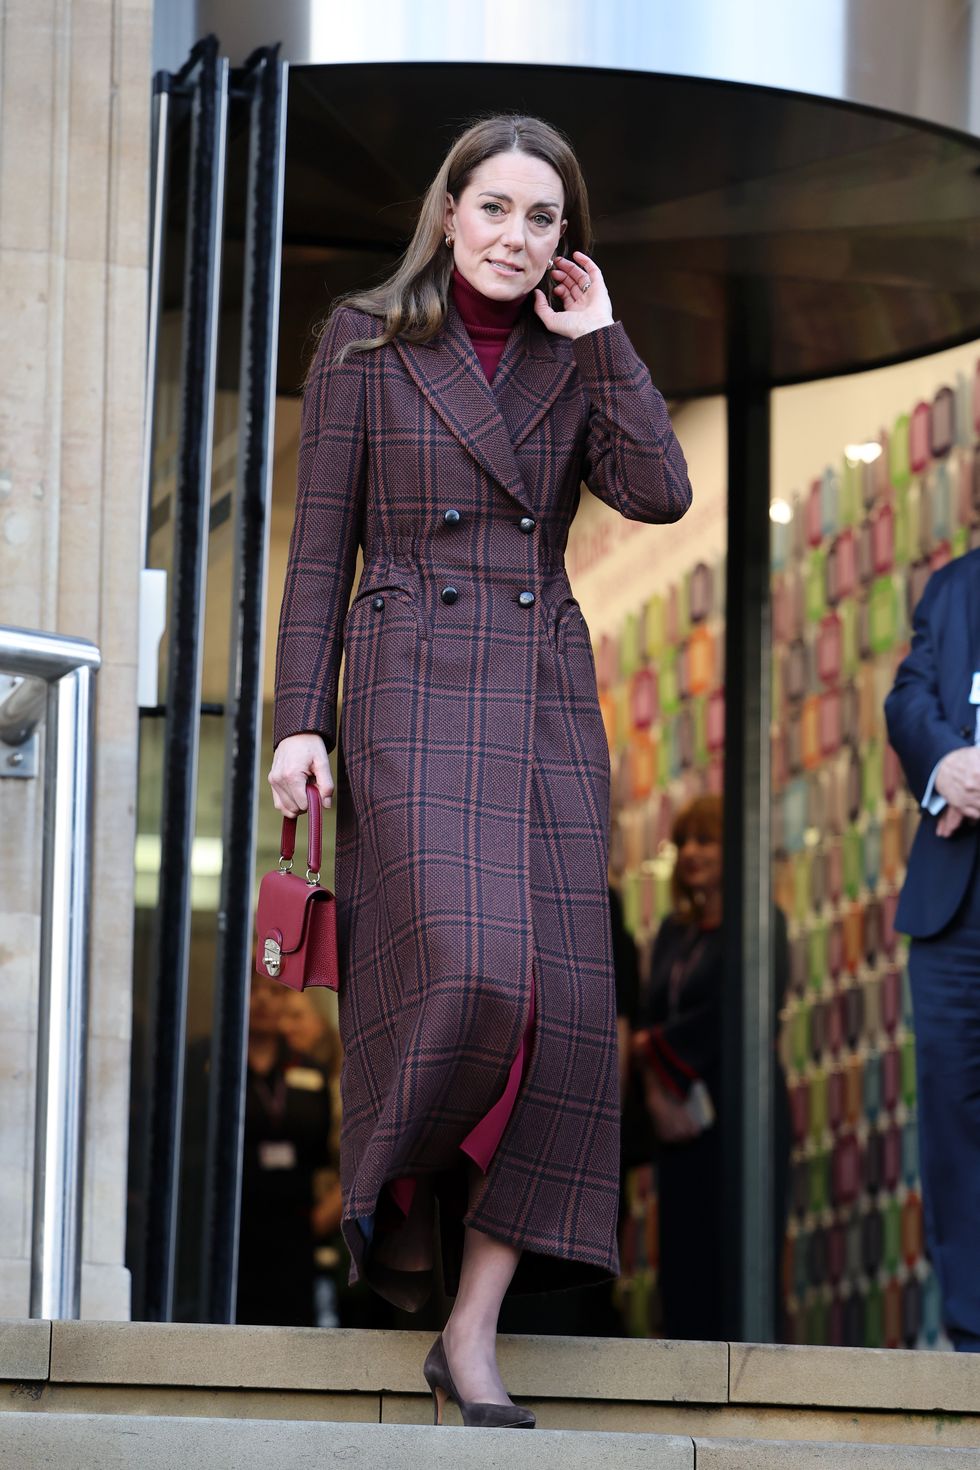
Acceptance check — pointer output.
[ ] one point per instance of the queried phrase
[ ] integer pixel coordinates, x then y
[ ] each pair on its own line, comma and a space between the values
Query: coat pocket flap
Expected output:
386, 581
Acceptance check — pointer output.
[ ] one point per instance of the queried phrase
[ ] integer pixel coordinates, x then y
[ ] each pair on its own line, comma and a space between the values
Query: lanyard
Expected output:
272, 1099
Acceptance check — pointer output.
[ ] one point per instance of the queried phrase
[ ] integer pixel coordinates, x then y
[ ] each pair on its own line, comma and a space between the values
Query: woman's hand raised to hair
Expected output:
296, 759
582, 292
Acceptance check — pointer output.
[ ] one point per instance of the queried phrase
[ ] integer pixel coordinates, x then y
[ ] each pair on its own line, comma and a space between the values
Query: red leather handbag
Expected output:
296, 918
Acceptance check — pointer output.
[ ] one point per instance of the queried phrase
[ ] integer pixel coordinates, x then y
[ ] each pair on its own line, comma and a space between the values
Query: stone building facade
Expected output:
75, 79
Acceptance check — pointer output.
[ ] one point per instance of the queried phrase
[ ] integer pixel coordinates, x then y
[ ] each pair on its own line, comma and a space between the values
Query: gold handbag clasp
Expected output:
272, 957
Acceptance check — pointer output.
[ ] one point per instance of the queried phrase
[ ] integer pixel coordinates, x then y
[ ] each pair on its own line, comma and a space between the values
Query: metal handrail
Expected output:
68, 667
22, 710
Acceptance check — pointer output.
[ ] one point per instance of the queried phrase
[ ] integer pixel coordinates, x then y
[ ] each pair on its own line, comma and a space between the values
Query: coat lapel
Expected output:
489, 420
973, 608
528, 381
973, 632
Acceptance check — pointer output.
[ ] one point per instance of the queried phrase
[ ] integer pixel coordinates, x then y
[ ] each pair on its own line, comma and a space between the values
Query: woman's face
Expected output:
507, 223
699, 863
300, 1022
264, 1006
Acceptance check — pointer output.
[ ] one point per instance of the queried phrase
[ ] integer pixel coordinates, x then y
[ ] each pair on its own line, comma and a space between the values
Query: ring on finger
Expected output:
586, 283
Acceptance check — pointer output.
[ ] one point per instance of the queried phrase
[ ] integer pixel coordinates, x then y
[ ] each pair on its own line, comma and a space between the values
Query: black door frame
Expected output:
207, 82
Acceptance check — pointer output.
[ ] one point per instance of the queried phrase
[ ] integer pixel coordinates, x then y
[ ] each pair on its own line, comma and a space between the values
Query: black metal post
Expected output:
207, 74
749, 1020
265, 79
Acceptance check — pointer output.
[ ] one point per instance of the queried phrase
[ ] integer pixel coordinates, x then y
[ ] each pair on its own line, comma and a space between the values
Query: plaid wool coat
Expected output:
472, 769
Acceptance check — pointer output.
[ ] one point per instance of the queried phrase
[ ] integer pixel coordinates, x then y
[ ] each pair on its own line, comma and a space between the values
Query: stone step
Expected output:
348, 1360
782, 1454
711, 1392
120, 1442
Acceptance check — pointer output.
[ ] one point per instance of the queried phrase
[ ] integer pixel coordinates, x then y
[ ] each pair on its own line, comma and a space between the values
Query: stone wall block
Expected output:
24, 291
90, 161
104, 1211
18, 1058
19, 941
75, 82
106, 1292
29, 426
20, 856
83, 499
25, 193
132, 102
123, 461
110, 1013
15, 1284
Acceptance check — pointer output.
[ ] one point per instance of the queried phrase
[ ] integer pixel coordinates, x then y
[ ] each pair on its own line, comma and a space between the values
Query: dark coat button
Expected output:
378, 603
451, 517
526, 599
527, 524
449, 594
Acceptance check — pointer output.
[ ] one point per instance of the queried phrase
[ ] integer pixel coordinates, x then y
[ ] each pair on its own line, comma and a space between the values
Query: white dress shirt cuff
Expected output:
932, 802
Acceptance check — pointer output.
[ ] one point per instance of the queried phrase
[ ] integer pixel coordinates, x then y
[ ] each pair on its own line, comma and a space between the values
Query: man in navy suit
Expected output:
933, 715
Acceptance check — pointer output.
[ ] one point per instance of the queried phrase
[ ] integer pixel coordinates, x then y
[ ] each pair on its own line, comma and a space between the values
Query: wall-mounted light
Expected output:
862, 453
780, 511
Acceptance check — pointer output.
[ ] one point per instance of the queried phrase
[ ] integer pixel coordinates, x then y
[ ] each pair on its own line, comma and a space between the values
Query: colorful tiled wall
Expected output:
847, 569
661, 694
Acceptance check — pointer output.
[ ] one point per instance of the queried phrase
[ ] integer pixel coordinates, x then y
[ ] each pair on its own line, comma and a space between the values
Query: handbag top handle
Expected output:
288, 844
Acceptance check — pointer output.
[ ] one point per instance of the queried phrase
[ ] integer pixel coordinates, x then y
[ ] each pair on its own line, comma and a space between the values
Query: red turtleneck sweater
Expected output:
488, 323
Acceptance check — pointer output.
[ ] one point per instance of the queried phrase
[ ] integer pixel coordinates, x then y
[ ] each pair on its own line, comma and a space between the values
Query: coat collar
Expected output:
490, 420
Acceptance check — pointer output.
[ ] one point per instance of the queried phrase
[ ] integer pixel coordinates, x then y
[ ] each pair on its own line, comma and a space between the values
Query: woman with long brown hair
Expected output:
449, 419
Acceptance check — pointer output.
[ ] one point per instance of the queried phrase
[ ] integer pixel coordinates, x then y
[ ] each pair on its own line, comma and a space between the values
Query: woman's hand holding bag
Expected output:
298, 760
296, 918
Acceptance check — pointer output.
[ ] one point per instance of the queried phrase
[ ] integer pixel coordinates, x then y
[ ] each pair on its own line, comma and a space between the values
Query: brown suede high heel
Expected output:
475, 1416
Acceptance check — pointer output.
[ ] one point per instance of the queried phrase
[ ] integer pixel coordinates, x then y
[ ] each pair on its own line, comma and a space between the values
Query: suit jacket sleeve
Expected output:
325, 537
918, 727
632, 458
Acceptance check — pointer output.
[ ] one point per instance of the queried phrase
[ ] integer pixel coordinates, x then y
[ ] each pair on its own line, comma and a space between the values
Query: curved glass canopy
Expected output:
850, 235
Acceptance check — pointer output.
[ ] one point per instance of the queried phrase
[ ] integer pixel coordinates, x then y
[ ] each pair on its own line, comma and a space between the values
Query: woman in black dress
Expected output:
678, 1050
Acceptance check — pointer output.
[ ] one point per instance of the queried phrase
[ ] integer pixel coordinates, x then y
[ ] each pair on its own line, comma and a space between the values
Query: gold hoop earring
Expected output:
450, 241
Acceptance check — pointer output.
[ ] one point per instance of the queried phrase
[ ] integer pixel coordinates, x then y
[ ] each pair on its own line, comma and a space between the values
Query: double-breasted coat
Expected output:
472, 769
